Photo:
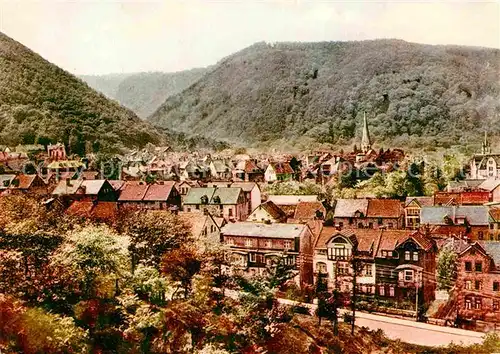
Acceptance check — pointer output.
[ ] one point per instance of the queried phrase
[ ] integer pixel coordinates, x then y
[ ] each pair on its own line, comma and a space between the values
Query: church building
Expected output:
485, 165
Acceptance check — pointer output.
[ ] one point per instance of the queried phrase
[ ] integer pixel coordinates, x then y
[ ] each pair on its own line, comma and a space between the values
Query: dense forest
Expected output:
41, 103
143, 93
307, 93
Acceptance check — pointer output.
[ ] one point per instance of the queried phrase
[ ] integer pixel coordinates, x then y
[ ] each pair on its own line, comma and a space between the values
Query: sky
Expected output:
101, 37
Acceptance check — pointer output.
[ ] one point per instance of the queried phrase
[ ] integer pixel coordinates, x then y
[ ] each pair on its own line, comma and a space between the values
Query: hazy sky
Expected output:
97, 37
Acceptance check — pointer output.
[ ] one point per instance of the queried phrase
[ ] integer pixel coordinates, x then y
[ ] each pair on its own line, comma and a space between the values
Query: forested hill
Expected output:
144, 92
316, 92
41, 103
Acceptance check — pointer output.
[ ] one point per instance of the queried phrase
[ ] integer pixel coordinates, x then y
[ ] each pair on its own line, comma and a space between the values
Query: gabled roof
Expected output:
346, 208
197, 221
194, 195
81, 209
307, 210
227, 196
495, 214
220, 166
492, 248
6, 181
25, 181
281, 168
93, 187
384, 208
247, 166
67, 187
391, 239
159, 192
249, 229
421, 201
423, 241
456, 186
436, 215
291, 199
55, 165
245, 186
489, 184
133, 192
116, 184
272, 209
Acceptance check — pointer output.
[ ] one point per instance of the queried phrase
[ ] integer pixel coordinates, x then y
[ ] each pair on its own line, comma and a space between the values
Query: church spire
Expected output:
366, 144
486, 146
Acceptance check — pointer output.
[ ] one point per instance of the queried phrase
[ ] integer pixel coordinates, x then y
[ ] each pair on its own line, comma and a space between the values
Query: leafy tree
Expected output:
446, 268
181, 265
152, 234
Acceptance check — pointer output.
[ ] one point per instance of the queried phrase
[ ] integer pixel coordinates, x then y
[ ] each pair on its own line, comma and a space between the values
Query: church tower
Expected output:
366, 144
485, 148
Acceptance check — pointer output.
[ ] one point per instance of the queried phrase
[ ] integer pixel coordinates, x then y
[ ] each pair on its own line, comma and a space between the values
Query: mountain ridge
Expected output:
307, 93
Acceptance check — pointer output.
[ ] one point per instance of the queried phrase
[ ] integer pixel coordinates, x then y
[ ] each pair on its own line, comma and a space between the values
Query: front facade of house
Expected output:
281, 171
255, 247
478, 283
227, 202
413, 206
368, 214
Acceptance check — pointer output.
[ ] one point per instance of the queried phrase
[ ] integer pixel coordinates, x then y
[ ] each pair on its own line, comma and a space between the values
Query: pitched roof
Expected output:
93, 187
492, 248
250, 229
489, 184
291, 199
116, 184
346, 208
194, 195
228, 196
495, 214
282, 168
385, 208
435, 215
197, 221
25, 181
307, 210
245, 186
366, 239
424, 241
159, 192
390, 239
6, 181
220, 166
247, 166
133, 192
55, 165
80, 208
456, 186
422, 201
105, 211
273, 210
67, 187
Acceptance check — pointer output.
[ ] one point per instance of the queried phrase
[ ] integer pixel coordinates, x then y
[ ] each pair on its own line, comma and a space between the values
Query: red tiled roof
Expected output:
159, 192
449, 230
495, 214
384, 208
390, 239
272, 209
282, 167
475, 198
446, 198
25, 181
307, 210
133, 192
424, 241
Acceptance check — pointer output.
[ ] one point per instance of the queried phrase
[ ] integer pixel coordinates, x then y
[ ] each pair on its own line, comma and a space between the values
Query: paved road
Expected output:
406, 330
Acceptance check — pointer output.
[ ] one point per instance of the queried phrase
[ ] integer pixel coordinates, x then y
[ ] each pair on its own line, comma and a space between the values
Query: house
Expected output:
227, 202
220, 171
253, 247
99, 189
478, 282
23, 183
158, 196
288, 203
464, 185
476, 197
486, 164
252, 193
412, 208
162, 196
493, 187
368, 213
333, 254
99, 211
56, 152
494, 218
267, 212
471, 222
205, 228
278, 171
191, 170
247, 171
60, 167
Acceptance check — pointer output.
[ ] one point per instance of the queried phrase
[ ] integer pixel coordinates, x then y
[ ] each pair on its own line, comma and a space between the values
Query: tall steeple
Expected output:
485, 148
366, 144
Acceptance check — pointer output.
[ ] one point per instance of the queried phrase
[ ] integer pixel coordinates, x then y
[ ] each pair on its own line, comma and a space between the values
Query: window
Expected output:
287, 245
379, 221
479, 267
477, 304
390, 225
407, 255
391, 291
252, 257
321, 267
381, 290
350, 221
230, 241
415, 256
269, 243
248, 242
468, 266
367, 270
480, 235
495, 305
408, 276
370, 225
468, 303
496, 286
197, 207
341, 224
360, 225
478, 285
260, 258
384, 253
343, 268
230, 212
339, 252
468, 285
188, 210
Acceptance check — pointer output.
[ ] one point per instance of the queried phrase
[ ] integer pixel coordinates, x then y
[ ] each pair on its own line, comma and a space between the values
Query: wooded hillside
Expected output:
41, 103
307, 93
